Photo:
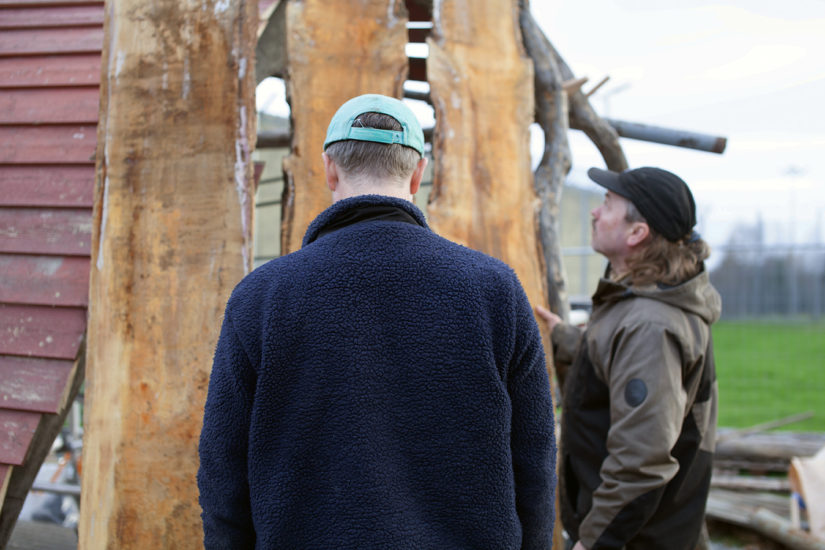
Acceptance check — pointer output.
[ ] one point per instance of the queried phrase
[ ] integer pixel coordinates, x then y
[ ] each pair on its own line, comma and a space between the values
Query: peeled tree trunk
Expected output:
171, 238
481, 85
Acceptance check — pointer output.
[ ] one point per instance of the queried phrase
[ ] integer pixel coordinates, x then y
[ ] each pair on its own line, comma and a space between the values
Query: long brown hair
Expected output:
663, 261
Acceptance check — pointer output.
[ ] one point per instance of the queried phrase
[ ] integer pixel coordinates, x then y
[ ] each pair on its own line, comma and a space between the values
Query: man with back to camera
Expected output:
639, 408
381, 387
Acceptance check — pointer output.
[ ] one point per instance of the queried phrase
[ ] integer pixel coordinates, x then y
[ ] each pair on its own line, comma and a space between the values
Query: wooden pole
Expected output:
171, 237
335, 51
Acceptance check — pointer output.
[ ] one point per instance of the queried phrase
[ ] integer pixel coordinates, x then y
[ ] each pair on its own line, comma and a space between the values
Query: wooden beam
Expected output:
171, 238
336, 50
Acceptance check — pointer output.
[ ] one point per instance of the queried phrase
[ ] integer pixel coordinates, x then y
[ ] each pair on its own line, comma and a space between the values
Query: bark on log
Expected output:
583, 117
552, 116
335, 51
173, 216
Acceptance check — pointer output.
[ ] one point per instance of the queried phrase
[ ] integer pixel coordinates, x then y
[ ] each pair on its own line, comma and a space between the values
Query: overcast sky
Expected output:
752, 71
749, 70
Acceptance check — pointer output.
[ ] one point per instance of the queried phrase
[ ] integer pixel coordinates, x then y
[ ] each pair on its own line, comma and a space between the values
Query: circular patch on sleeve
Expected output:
635, 392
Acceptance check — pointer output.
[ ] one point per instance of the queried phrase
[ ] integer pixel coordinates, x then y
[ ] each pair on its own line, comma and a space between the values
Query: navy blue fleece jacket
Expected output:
382, 387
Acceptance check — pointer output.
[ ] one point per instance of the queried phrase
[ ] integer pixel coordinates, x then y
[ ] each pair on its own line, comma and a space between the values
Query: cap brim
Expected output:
608, 179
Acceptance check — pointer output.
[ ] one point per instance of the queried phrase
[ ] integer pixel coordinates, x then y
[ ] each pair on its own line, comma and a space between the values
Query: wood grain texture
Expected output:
481, 86
44, 280
335, 51
33, 383
171, 238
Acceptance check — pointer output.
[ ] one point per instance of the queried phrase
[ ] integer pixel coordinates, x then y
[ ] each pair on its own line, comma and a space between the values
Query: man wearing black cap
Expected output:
639, 415
381, 387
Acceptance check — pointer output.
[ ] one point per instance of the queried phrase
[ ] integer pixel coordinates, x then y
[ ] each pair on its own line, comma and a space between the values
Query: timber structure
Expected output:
127, 185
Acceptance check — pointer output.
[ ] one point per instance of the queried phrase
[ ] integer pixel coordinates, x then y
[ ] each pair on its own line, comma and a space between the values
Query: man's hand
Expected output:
579, 546
551, 318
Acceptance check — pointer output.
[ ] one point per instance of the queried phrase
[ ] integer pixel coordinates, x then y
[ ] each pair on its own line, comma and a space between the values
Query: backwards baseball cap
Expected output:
341, 126
661, 197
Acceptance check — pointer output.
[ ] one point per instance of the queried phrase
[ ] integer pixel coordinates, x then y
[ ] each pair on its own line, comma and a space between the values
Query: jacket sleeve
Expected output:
533, 443
222, 476
647, 407
565, 338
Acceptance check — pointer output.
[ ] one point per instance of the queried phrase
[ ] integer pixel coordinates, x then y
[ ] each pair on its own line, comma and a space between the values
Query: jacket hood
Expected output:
360, 201
695, 295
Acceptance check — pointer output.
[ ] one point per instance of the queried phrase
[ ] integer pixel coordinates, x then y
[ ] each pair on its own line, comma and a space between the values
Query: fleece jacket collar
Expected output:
348, 209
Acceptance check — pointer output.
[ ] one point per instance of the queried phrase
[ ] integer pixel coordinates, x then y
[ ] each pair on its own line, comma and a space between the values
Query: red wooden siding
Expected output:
50, 70
39, 331
45, 231
58, 186
60, 144
73, 105
51, 41
16, 431
51, 16
33, 384
44, 280
49, 101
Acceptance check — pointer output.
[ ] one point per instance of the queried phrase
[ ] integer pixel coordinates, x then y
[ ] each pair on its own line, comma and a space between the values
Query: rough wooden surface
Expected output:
171, 238
550, 174
335, 51
482, 91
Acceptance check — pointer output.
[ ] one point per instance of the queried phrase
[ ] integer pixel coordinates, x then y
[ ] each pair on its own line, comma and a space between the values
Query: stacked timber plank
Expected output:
49, 74
750, 487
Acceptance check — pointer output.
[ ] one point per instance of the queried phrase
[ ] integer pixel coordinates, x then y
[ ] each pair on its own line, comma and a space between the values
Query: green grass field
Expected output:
770, 370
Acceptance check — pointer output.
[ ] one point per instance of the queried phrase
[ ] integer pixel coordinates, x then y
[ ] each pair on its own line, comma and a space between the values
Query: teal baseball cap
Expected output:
341, 128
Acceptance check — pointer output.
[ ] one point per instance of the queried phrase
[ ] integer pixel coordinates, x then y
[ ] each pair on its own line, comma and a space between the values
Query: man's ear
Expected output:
331, 171
639, 231
418, 175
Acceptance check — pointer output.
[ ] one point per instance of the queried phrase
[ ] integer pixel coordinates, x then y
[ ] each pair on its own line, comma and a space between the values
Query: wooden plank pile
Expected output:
750, 488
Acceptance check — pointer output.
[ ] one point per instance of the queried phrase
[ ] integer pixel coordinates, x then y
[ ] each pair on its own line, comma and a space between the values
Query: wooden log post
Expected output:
171, 237
335, 51
481, 85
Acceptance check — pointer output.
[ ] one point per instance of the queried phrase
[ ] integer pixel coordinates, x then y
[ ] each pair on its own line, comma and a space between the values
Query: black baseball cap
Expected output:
662, 197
